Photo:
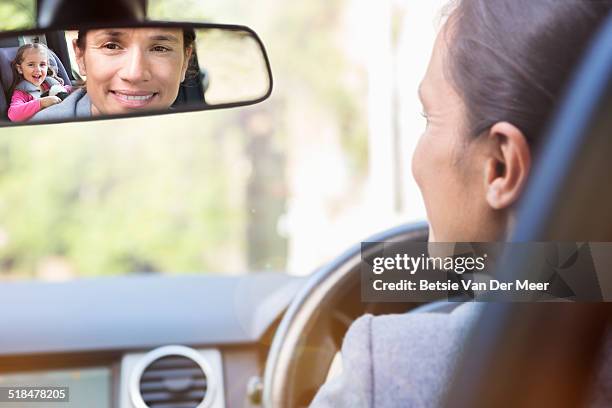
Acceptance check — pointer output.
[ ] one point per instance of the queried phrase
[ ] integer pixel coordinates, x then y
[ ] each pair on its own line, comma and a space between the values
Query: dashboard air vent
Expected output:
175, 381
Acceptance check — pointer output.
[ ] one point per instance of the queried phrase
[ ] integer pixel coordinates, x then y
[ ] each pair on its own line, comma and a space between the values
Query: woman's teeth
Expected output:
135, 97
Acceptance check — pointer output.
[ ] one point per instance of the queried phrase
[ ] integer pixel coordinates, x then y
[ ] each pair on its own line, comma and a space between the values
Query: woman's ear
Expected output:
507, 165
80, 57
188, 53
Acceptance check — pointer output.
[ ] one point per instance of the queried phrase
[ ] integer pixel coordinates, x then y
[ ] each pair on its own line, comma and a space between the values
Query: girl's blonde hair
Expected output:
17, 77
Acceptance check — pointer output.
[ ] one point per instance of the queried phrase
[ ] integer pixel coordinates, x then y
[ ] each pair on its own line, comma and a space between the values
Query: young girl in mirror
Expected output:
33, 79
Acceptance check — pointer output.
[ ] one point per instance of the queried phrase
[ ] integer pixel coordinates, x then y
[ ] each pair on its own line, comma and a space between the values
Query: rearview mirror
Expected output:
89, 73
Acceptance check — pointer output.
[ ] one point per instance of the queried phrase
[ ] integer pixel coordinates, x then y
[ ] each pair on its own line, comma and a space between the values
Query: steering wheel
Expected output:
311, 331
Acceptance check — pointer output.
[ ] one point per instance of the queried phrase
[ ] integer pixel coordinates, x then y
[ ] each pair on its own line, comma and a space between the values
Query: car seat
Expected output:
7, 55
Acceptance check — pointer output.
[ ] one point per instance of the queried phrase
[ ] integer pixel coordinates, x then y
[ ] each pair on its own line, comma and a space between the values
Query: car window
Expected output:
284, 185
72, 35
17, 14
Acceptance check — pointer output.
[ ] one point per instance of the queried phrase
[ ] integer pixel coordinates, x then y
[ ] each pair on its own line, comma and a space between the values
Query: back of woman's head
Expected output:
510, 60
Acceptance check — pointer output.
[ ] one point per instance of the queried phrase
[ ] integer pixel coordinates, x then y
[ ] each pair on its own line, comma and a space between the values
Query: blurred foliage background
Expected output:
17, 14
198, 192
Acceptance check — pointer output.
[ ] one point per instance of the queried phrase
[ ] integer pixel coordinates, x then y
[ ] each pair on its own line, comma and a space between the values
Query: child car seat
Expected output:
6, 75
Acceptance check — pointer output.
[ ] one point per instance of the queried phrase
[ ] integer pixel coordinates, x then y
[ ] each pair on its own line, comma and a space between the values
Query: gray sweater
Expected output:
76, 105
407, 361
398, 360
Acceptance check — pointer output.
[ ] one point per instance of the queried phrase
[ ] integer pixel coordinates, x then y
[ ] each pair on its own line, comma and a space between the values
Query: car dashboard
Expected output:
138, 341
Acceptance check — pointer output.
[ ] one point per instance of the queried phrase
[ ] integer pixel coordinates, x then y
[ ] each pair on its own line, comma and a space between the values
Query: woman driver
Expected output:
498, 69
128, 70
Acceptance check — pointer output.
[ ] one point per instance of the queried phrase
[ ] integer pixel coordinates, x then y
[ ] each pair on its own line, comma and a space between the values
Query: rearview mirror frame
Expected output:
149, 24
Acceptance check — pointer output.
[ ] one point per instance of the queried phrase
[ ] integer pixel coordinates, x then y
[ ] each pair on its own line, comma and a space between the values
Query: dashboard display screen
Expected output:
87, 387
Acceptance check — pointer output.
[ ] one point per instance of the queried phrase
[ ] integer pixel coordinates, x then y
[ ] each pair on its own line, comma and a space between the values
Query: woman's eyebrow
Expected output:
164, 37
113, 34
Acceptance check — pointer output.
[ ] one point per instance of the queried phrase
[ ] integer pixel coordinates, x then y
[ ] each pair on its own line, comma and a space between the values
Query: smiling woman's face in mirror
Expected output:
132, 69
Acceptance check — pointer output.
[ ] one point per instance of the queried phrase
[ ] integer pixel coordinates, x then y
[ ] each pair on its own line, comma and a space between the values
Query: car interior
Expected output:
269, 339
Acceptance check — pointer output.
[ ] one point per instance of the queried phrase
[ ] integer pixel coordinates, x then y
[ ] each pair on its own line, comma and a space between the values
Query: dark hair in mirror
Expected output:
19, 59
510, 60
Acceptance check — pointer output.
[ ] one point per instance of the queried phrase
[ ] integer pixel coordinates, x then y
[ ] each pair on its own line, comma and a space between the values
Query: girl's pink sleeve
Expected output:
23, 106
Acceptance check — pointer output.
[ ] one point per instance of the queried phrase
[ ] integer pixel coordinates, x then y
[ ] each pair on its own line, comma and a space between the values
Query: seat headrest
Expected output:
6, 75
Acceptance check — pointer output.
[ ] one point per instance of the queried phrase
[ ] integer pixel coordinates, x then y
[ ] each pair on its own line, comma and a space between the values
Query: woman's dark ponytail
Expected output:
510, 60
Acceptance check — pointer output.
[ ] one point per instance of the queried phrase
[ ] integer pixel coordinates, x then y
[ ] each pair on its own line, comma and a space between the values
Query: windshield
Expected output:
284, 185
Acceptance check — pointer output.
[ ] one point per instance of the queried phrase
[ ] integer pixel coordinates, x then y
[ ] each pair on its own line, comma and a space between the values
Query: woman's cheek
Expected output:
419, 158
426, 179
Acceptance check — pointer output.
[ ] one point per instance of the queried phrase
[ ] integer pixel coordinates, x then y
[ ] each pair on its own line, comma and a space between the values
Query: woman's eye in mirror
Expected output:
109, 72
111, 46
160, 48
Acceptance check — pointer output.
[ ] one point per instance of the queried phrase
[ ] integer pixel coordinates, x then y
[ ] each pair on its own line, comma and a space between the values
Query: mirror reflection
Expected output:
80, 74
